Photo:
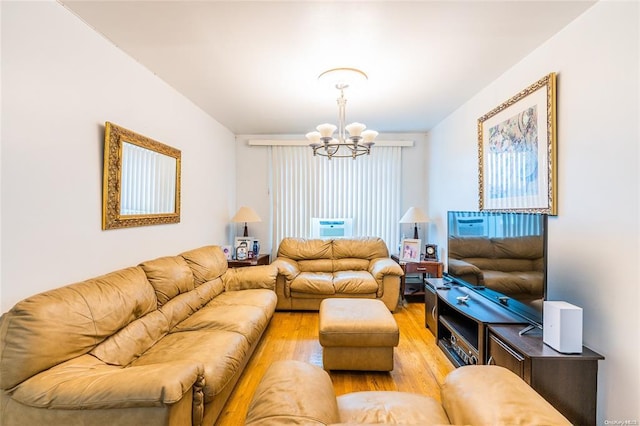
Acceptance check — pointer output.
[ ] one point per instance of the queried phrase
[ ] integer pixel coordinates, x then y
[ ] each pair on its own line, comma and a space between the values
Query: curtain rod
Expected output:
284, 142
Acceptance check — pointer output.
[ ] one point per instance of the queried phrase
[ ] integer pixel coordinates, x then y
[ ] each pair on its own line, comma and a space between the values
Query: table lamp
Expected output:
246, 214
414, 215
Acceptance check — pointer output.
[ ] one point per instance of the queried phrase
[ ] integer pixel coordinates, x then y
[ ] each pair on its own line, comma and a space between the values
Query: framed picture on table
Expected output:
410, 250
246, 243
228, 252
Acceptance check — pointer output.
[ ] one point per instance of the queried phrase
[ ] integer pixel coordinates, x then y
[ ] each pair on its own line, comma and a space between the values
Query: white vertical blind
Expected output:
366, 189
502, 224
148, 181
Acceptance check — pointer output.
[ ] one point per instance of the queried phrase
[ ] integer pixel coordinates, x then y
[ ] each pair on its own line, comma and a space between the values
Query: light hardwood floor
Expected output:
419, 366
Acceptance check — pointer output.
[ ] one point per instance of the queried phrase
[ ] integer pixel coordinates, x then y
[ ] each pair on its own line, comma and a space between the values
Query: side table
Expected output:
262, 259
568, 381
431, 267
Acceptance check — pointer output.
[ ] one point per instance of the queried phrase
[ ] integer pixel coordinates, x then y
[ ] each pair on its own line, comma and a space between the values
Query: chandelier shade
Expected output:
352, 140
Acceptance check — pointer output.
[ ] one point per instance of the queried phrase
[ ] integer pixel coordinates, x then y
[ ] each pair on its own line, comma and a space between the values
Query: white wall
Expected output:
594, 241
253, 179
1, 310
60, 82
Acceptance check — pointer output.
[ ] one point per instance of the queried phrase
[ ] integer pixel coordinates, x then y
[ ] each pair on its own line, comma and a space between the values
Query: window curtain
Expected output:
366, 189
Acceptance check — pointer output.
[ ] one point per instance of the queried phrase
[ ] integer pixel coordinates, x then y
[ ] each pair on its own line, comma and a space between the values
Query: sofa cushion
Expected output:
246, 320
313, 283
262, 276
493, 395
265, 299
528, 247
390, 407
361, 248
169, 276
351, 264
315, 265
207, 263
506, 265
133, 340
467, 247
302, 249
354, 282
85, 383
293, 393
61, 324
512, 283
222, 354
138, 336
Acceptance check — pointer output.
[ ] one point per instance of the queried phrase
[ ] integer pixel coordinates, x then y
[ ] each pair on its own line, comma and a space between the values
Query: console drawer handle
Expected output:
421, 269
491, 361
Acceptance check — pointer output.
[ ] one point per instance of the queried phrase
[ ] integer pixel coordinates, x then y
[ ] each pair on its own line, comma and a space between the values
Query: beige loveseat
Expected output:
161, 343
297, 393
311, 270
511, 266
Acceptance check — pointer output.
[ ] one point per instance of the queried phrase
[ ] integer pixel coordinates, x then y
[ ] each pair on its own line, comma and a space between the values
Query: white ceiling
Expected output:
253, 65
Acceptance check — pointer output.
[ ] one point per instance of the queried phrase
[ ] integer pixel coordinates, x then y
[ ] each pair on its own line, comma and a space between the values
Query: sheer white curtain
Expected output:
304, 187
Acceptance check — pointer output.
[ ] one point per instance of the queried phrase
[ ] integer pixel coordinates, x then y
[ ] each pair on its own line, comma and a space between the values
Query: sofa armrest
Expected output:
461, 268
289, 270
87, 383
384, 266
287, 267
293, 392
261, 276
493, 395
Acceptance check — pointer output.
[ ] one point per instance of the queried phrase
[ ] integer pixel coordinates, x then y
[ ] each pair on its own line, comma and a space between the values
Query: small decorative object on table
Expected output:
228, 252
431, 252
410, 250
242, 251
248, 244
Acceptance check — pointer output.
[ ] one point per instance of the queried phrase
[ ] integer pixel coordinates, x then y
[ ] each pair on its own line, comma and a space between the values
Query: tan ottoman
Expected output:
357, 334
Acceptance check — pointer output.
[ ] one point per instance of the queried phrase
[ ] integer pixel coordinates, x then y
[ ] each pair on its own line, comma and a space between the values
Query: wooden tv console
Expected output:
478, 331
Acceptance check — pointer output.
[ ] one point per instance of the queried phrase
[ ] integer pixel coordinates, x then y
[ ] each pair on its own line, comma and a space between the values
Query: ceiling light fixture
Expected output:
359, 141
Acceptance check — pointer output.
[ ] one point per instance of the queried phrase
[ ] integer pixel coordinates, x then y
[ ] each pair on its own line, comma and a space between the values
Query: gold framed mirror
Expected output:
141, 181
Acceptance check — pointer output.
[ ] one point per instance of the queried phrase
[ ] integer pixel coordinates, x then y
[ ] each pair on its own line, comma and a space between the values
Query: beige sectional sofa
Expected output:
297, 393
163, 342
311, 270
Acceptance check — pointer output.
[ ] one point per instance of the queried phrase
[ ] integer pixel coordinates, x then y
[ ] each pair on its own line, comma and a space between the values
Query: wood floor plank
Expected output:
419, 366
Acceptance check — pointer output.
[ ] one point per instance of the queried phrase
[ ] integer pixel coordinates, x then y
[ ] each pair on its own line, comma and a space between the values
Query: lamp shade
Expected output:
414, 215
246, 214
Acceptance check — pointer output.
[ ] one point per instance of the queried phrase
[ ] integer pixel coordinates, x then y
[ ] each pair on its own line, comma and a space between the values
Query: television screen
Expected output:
503, 256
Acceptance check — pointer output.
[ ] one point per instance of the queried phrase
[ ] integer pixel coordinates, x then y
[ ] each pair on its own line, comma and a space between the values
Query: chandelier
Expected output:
359, 141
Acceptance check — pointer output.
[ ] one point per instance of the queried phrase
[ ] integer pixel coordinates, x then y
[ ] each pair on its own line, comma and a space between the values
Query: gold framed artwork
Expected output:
517, 152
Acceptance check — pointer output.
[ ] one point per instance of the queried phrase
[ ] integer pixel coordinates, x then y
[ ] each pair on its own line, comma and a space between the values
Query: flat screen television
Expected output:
502, 256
